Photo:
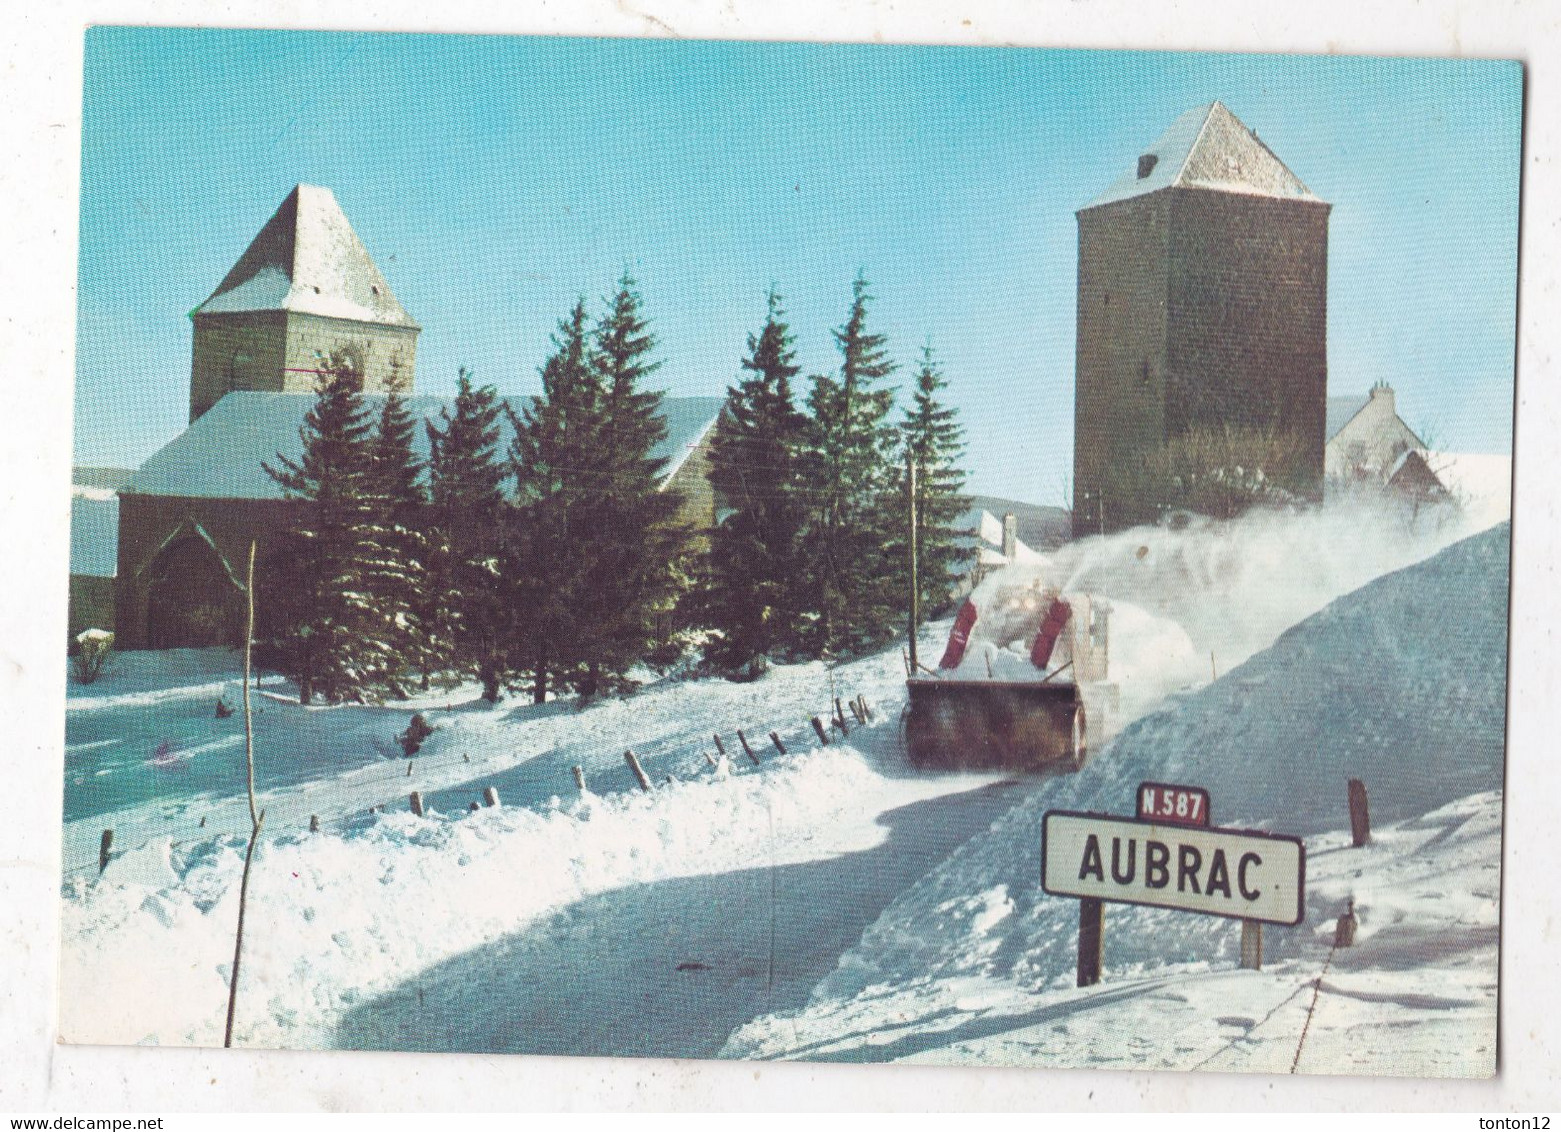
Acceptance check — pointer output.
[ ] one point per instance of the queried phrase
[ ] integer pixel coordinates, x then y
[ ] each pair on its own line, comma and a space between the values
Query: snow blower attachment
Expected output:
995, 703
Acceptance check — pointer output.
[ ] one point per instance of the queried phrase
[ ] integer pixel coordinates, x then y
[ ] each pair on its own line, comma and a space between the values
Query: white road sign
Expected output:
1221, 872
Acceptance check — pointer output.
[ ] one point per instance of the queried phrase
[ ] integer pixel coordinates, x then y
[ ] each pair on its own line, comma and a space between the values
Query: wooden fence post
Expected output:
1360, 813
1251, 945
639, 771
867, 712
314, 823
417, 803
105, 848
490, 796
818, 729
579, 773
709, 758
720, 747
775, 738
1092, 940
856, 712
1344, 930
409, 768
840, 717
747, 750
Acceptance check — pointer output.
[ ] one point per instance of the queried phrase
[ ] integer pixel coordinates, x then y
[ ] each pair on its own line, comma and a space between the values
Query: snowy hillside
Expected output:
1401, 683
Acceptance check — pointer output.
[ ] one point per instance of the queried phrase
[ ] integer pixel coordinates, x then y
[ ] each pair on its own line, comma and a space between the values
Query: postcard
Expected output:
841, 553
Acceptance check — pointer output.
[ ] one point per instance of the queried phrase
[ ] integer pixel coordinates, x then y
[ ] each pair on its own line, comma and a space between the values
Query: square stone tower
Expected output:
304, 290
1202, 303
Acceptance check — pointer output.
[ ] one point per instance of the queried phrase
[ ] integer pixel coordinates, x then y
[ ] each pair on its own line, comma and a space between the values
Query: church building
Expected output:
1202, 303
305, 289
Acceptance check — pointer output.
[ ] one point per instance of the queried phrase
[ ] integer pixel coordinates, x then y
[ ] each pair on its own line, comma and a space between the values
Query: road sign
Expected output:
1219, 872
1173, 805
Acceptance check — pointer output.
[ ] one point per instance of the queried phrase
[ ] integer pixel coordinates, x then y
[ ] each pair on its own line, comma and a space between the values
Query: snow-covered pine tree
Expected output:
849, 467
634, 549
556, 437
400, 601
468, 520
933, 440
311, 592
754, 553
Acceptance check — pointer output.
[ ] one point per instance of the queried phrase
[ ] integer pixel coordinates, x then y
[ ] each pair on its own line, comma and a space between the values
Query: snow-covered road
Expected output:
669, 969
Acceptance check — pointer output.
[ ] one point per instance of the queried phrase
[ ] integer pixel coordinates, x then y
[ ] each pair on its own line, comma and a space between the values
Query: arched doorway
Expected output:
192, 600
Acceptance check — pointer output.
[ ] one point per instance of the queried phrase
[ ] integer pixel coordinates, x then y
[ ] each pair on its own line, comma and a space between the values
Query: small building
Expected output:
1366, 436
1202, 305
94, 535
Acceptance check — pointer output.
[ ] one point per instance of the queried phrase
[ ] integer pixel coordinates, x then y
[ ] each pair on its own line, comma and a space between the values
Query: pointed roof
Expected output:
308, 259
1207, 148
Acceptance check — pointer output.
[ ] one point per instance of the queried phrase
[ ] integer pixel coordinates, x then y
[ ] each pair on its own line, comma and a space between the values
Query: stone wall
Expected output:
1119, 402
283, 351
1195, 308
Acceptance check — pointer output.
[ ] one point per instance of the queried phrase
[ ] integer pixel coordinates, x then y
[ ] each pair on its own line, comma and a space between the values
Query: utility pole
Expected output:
915, 618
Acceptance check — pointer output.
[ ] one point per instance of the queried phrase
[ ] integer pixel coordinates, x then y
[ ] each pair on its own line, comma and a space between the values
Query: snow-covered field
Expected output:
660, 923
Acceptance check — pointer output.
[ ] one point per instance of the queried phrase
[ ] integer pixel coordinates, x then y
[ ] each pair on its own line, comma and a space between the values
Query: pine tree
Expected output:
402, 603
555, 440
468, 520
755, 552
932, 441
636, 549
313, 586
849, 466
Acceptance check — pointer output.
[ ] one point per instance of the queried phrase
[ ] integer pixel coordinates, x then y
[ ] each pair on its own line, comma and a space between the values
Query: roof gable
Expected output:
1207, 148
219, 456
307, 259
1341, 411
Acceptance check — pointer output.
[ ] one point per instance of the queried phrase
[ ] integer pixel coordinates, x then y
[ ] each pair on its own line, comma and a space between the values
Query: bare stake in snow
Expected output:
747, 750
1360, 813
105, 849
417, 803
775, 738
720, 747
639, 771
818, 729
314, 823
579, 773
490, 796
238, 934
256, 820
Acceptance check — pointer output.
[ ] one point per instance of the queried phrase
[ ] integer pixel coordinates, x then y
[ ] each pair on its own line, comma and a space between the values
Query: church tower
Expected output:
305, 290
1202, 304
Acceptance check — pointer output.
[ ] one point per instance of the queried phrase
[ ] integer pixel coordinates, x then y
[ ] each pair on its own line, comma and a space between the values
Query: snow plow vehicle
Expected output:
1008, 691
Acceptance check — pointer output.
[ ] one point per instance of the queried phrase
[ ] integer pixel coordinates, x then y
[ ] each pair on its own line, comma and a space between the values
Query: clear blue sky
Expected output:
494, 179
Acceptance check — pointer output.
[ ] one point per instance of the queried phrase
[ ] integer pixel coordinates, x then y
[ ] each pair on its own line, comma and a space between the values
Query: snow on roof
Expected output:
308, 259
94, 535
1207, 148
1341, 411
219, 456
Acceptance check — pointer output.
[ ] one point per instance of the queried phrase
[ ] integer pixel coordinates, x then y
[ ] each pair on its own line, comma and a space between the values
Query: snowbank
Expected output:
337, 918
1401, 683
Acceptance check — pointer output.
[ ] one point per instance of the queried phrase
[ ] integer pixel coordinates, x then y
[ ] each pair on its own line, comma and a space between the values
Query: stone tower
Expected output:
1202, 302
305, 290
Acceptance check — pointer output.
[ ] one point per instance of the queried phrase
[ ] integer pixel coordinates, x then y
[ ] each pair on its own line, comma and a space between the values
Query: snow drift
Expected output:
1401, 683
